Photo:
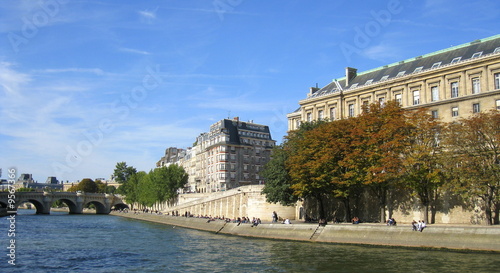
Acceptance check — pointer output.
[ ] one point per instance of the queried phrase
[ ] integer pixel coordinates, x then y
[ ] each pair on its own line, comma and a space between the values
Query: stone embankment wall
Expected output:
474, 238
246, 201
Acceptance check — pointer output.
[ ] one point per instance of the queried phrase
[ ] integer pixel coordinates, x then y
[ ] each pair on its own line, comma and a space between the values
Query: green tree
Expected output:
123, 172
146, 190
278, 182
132, 187
86, 185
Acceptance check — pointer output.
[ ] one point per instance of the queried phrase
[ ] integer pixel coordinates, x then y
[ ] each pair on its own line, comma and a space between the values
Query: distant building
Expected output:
26, 181
172, 155
231, 154
452, 83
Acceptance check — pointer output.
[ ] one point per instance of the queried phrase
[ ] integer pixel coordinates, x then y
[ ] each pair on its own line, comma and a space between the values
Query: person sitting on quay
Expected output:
322, 222
414, 225
421, 225
287, 221
355, 220
391, 222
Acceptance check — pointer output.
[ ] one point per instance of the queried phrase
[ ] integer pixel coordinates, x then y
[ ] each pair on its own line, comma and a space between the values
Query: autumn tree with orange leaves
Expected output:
473, 149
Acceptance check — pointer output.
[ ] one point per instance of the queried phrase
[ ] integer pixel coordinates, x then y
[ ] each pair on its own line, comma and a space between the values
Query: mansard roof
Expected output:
234, 127
434, 60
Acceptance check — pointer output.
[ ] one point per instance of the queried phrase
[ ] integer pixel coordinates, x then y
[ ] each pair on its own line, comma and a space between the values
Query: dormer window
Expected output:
354, 85
418, 69
476, 55
456, 60
436, 65
384, 78
400, 73
369, 81
497, 50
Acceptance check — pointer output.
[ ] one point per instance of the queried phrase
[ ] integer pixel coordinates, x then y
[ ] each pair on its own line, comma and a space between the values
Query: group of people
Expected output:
418, 226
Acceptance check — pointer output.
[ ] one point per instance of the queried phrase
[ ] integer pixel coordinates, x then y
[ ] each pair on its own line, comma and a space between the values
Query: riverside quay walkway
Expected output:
76, 202
439, 236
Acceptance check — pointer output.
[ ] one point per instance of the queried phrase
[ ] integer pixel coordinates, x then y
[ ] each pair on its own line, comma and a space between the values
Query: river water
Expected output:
102, 243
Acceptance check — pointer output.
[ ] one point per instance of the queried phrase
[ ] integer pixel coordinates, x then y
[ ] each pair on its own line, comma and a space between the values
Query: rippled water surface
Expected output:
103, 243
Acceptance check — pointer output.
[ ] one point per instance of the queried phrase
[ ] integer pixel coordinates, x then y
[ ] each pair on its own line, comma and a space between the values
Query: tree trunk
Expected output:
496, 218
347, 208
488, 214
426, 213
433, 214
321, 208
382, 204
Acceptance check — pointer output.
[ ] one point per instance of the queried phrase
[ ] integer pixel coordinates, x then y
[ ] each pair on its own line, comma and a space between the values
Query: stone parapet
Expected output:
470, 238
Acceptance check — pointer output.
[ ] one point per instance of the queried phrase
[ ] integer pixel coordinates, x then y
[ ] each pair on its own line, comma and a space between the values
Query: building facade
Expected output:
230, 155
452, 83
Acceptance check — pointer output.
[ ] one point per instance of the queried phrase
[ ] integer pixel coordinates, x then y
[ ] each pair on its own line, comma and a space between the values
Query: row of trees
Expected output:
385, 149
91, 186
158, 186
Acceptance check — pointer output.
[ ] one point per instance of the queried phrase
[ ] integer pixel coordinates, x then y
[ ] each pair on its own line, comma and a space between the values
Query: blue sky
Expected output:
87, 84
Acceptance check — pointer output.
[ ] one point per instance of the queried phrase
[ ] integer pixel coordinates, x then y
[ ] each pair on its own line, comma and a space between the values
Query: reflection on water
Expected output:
102, 243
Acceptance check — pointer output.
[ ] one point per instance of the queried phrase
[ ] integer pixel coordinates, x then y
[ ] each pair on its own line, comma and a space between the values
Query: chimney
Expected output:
312, 90
350, 74
236, 118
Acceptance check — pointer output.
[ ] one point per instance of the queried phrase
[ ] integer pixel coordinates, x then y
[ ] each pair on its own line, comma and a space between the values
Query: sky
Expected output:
87, 84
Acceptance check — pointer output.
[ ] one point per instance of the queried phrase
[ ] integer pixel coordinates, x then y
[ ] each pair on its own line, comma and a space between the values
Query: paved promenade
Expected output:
455, 237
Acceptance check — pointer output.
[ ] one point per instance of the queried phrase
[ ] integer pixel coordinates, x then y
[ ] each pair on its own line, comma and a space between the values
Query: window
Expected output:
434, 114
400, 74
381, 100
399, 99
418, 69
351, 109
309, 117
416, 97
320, 114
497, 102
496, 50
436, 65
369, 81
454, 89
476, 108
354, 85
454, 111
456, 60
333, 113
297, 123
384, 78
477, 54
497, 80
434, 93
476, 85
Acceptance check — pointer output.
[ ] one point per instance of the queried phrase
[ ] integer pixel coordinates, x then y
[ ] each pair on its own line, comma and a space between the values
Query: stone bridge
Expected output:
75, 201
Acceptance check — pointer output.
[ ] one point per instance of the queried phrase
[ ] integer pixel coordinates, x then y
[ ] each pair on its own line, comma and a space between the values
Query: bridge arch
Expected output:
73, 208
120, 206
40, 209
100, 208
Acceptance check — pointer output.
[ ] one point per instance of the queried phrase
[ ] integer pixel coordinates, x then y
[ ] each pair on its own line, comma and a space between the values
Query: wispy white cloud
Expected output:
136, 51
10, 80
96, 71
382, 52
